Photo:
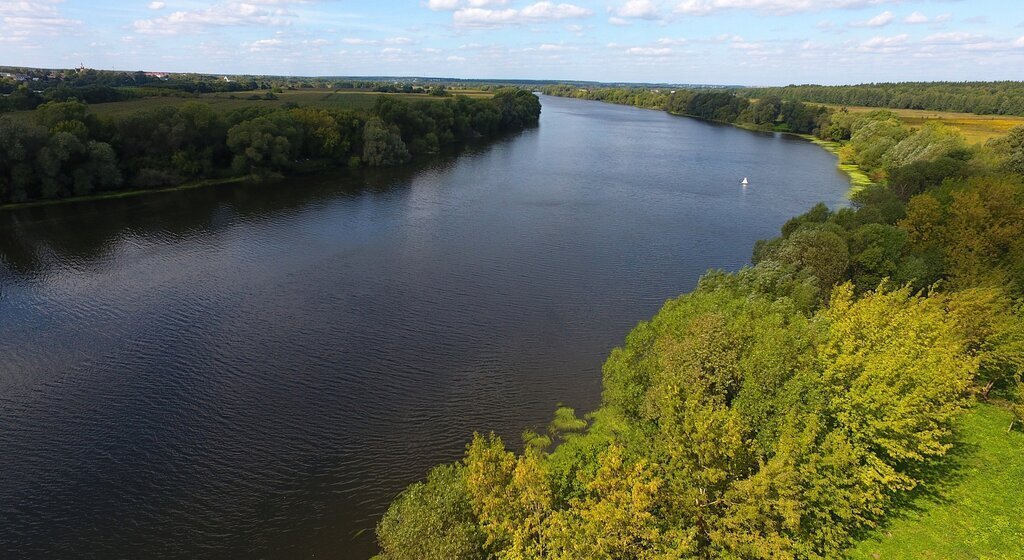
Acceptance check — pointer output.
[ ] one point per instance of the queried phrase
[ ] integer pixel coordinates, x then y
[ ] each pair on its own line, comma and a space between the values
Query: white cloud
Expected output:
649, 51
23, 20
954, 37
541, 12
638, 9
228, 14
916, 17
452, 5
884, 44
264, 45
881, 20
456, 59
157, 5
549, 10
614, 20
776, 7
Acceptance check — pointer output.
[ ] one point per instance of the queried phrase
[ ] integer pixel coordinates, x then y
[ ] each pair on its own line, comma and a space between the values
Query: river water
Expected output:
255, 371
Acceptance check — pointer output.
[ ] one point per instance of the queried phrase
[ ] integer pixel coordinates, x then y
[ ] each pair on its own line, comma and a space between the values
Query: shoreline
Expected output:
858, 179
125, 193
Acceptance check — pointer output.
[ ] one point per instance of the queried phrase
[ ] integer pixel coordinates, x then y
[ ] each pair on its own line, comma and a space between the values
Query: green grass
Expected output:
976, 511
858, 179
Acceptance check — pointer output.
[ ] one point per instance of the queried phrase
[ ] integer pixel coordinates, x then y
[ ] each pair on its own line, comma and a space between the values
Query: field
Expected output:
976, 128
976, 512
342, 99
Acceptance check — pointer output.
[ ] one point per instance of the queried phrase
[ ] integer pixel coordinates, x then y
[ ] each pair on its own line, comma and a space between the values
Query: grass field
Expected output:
976, 128
976, 512
342, 99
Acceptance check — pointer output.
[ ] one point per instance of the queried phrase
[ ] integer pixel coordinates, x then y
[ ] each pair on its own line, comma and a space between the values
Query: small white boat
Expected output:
744, 182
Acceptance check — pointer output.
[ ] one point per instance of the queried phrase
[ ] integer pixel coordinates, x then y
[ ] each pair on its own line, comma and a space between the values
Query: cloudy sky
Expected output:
751, 42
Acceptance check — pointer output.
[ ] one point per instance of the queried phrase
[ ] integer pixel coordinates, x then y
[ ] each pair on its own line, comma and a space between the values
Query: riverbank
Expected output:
858, 178
126, 194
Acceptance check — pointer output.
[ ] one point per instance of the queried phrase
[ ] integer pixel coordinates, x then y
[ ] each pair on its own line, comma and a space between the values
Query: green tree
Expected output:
258, 147
432, 520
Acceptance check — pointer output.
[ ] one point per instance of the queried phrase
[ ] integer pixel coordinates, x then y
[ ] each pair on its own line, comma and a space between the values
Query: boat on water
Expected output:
744, 182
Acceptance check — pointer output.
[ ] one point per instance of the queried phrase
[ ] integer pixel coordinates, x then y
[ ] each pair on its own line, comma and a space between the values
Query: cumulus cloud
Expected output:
228, 14
884, 44
916, 17
541, 12
775, 7
264, 45
881, 20
23, 20
157, 5
638, 9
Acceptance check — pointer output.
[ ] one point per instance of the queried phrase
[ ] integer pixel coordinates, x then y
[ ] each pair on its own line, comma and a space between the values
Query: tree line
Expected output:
783, 410
983, 98
62, 150
771, 113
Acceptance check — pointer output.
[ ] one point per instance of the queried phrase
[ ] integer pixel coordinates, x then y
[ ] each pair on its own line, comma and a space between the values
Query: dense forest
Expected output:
983, 98
783, 410
61, 149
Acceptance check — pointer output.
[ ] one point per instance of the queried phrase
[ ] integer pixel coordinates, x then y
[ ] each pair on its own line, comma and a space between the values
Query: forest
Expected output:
784, 410
982, 98
62, 150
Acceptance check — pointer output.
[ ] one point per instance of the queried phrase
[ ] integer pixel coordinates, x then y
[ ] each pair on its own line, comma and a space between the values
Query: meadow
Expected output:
975, 128
974, 511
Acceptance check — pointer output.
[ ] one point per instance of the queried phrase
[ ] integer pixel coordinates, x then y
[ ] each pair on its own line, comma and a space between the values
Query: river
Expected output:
253, 371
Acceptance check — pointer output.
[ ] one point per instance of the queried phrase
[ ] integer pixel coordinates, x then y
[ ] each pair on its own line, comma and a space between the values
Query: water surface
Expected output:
255, 371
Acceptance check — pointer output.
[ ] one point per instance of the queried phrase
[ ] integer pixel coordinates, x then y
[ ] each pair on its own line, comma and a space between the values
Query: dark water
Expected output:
248, 372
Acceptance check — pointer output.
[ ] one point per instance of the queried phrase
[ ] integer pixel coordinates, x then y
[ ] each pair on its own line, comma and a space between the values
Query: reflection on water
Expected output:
248, 371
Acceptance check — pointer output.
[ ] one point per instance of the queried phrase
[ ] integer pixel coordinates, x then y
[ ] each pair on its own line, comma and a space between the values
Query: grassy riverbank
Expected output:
858, 178
975, 512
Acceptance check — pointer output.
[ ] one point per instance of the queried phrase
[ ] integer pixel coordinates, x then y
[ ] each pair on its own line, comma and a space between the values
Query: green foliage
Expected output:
784, 410
65, 150
1011, 147
259, 147
974, 512
382, 145
432, 520
1003, 98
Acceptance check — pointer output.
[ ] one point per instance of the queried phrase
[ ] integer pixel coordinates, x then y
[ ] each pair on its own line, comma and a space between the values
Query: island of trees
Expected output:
61, 149
784, 410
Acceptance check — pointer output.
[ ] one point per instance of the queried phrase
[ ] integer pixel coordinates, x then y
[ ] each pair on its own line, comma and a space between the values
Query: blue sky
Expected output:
752, 42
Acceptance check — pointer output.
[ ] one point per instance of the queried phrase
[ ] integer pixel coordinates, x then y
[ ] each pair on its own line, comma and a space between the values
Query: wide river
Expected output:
255, 371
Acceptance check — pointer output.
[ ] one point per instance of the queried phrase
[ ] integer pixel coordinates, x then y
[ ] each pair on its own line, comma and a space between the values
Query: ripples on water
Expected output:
256, 371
